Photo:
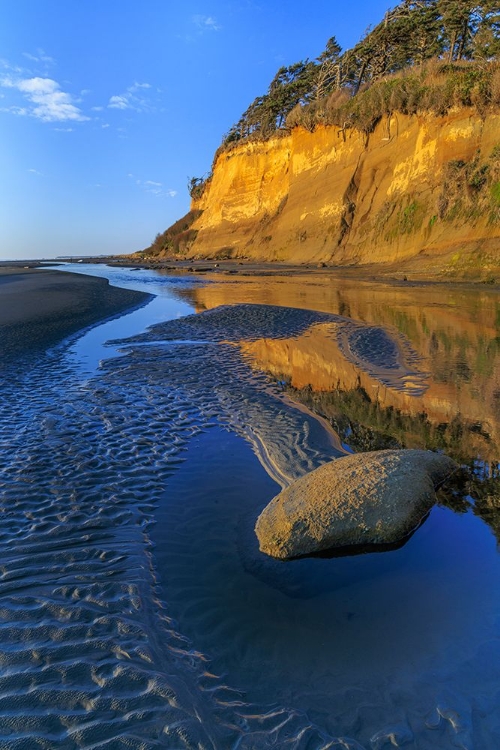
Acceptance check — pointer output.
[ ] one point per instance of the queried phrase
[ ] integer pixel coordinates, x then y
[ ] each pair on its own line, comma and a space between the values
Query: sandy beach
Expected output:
38, 308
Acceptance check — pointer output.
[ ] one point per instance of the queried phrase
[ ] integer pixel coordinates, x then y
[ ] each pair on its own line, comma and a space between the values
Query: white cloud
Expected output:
46, 101
155, 188
206, 23
15, 110
132, 98
119, 102
35, 171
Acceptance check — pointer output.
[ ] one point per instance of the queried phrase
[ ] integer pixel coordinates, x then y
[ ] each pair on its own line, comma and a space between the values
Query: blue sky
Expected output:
106, 108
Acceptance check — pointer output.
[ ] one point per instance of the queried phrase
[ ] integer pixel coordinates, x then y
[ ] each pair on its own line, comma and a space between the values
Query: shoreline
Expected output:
40, 308
390, 275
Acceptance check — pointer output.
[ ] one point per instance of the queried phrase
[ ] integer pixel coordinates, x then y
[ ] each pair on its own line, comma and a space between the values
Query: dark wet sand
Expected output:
38, 308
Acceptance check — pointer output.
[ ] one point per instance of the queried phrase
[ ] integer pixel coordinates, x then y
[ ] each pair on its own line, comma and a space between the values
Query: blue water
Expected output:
136, 610
91, 348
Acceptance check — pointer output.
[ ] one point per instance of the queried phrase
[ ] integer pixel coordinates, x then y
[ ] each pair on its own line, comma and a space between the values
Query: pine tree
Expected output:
459, 18
329, 73
487, 38
411, 33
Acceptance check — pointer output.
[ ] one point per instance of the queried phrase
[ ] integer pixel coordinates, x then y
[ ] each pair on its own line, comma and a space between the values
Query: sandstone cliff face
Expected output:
420, 190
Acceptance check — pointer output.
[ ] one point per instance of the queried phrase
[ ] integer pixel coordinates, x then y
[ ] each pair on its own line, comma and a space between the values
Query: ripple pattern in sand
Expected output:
82, 663
385, 355
90, 657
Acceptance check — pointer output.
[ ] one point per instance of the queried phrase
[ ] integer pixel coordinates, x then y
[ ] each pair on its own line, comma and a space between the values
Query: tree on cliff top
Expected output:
290, 86
410, 34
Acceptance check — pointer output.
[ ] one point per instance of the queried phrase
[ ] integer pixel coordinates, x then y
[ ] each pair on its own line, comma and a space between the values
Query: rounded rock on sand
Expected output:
375, 498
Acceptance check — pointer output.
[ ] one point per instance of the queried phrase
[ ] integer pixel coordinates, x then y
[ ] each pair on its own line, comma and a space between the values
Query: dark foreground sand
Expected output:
38, 308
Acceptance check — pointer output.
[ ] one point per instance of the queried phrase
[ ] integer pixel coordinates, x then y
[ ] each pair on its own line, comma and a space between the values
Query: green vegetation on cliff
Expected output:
425, 57
338, 87
176, 238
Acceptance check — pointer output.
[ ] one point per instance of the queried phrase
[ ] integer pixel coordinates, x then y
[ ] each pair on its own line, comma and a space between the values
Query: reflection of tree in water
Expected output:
475, 487
364, 425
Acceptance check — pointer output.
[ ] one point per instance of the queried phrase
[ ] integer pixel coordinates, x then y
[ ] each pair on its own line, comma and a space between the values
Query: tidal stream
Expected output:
136, 610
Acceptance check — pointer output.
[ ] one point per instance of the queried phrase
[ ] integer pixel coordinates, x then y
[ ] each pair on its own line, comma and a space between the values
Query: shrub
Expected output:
472, 189
495, 193
495, 87
176, 238
432, 87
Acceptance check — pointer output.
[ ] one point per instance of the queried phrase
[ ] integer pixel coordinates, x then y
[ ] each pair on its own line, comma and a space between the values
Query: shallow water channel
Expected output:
136, 610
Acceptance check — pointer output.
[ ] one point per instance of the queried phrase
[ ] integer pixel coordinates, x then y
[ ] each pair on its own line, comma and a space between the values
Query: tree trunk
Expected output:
453, 41
360, 77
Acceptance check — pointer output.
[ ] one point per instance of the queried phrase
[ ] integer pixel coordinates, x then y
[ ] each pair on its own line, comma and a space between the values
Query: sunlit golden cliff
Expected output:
422, 192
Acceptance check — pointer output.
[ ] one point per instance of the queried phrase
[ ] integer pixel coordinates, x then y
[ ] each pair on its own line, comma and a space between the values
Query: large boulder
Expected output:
362, 499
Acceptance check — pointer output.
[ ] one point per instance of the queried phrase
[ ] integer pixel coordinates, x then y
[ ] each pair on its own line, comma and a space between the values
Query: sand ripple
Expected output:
90, 657
385, 355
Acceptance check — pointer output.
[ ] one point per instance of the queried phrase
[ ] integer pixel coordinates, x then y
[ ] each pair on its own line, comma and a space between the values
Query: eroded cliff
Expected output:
421, 192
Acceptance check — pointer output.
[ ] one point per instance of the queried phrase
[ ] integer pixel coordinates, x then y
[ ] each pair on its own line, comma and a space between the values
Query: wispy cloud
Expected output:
133, 98
206, 23
35, 171
40, 57
6, 66
154, 188
44, 100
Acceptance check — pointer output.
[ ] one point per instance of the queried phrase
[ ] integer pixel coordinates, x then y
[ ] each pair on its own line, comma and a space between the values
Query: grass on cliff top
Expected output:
435, 87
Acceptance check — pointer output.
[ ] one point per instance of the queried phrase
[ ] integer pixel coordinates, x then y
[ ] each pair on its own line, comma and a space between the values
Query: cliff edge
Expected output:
421, 192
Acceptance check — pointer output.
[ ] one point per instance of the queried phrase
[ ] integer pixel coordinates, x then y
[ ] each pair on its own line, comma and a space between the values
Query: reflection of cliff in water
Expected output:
456, 332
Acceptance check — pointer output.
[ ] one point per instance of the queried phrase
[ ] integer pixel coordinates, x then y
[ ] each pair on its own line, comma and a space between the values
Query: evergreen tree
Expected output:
329, 72
487, 38
290, 86
459, 20
411, 33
